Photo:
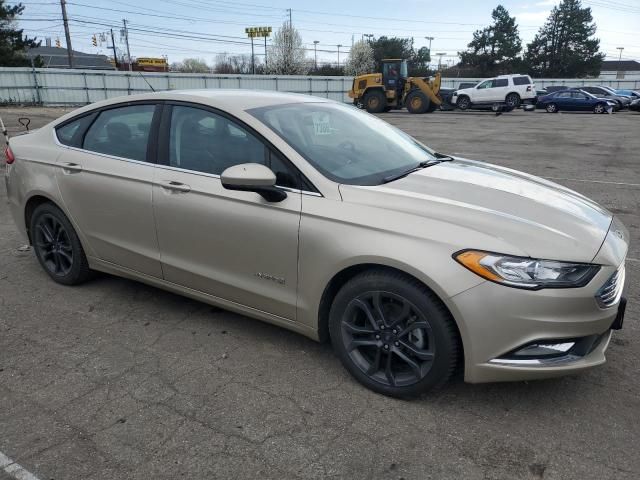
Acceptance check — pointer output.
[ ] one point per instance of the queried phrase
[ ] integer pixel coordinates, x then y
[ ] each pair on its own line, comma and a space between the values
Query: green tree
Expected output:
13, 45
564, 46
494, 49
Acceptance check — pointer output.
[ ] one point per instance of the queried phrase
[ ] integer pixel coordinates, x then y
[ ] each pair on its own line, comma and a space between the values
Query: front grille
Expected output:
610, 293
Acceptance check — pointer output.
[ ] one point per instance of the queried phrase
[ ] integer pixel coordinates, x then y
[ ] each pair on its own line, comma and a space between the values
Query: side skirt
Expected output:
110, 268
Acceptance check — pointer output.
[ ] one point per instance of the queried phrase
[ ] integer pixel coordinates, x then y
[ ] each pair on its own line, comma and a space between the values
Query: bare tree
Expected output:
360, 59
287, 55
193, 65
225, 63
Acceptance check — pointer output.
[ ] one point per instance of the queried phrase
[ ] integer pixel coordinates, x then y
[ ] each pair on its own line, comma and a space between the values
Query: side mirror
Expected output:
253, 177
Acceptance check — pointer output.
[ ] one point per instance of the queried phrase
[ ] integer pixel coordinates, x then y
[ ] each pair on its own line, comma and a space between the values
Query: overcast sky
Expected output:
164, 27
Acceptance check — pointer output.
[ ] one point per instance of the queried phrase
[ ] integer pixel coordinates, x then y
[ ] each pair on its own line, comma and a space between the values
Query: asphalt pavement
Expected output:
118, 380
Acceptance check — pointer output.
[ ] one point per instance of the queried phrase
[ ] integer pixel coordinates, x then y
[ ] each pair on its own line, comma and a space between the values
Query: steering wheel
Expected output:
347, 145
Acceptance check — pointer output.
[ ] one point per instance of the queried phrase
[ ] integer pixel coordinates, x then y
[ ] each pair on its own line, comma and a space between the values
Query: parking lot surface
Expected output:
115, 379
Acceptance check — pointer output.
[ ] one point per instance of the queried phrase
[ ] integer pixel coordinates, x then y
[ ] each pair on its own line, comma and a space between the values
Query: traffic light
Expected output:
94, 40
57, 43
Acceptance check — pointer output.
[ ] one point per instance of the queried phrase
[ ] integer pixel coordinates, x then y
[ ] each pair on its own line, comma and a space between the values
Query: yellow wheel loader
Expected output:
393, 88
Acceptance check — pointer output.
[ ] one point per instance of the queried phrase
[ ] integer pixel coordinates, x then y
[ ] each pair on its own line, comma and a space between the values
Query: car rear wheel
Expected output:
57, 246
512, 100
463, 102
393, 334
599, 108
551, 108
375, 101
417, 102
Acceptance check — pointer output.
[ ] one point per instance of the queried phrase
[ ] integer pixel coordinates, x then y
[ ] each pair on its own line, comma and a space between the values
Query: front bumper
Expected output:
495, 321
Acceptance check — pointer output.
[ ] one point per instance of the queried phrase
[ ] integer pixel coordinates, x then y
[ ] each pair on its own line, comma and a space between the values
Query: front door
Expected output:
106, 186
234, 245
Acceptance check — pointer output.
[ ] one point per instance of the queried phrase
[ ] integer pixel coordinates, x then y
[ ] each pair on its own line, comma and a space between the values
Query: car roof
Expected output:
230, 100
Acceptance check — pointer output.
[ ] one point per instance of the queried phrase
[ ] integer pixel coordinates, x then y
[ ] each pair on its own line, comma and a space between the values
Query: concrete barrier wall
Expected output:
49, 86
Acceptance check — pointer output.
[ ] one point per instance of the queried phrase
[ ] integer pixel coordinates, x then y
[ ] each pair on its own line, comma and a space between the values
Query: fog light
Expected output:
537, 350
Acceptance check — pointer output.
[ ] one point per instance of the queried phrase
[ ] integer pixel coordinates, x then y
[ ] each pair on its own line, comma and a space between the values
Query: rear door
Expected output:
500, 89
105, 177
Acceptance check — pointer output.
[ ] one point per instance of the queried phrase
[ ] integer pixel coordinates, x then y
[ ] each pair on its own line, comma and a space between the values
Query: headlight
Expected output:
525, 272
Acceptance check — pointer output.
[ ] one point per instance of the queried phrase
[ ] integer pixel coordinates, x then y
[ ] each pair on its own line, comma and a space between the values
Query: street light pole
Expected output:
315, 52
339, 55
621, 49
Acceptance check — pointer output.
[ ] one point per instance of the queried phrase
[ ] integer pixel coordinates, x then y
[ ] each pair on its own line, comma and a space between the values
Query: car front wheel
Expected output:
599, 108
552, 108
57, 246
393, 334
463, 102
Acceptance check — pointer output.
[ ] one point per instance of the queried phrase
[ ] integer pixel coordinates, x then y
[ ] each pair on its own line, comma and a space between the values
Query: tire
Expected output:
463, 102
599, 108
57, 246
513, 100
417, 102
375, 101
401, 361
551, 108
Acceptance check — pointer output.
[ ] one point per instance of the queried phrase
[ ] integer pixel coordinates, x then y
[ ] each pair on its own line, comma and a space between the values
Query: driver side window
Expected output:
206, 142
485, 84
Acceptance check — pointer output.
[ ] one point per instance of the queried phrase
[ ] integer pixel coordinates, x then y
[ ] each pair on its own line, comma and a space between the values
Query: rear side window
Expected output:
122, 132
70, 133
524, 80
500, 82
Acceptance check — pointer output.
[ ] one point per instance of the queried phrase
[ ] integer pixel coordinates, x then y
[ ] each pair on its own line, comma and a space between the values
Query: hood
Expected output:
510, 210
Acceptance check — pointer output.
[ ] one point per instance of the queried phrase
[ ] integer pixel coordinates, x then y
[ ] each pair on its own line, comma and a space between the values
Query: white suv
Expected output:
509, 89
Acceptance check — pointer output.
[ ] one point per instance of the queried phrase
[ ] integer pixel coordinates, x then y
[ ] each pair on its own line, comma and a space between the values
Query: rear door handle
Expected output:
69, 167
174, 186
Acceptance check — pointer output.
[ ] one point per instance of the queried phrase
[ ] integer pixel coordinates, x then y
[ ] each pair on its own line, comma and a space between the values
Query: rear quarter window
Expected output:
70, 133
524, 80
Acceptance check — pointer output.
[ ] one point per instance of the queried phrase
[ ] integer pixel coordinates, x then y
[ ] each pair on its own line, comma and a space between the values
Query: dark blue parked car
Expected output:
575, 100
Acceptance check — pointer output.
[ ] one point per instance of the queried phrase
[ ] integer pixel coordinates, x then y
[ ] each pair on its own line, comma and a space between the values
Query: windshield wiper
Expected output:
420, 166
443, 158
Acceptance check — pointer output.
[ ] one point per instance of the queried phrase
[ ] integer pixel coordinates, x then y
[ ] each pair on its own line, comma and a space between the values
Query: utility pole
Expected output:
315, 52
115, 55
65, 22
253, 62
290, 20
339, 55
126, 39
621, 49
265, 54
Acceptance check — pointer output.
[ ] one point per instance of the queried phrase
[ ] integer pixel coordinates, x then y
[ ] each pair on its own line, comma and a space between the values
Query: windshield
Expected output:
343, 143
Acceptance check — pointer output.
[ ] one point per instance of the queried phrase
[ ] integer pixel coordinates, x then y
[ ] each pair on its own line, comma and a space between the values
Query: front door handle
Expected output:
70, 167
174, 186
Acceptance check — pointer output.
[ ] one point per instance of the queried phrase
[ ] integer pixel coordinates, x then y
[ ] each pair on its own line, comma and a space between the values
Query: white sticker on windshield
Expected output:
321, 124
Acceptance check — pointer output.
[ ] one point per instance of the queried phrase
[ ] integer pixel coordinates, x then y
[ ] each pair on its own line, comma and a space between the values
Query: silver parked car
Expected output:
326, 220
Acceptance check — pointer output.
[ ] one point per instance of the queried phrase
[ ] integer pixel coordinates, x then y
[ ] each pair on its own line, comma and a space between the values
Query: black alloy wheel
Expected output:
393, 334
387, 337
53, 245
57, 246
